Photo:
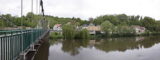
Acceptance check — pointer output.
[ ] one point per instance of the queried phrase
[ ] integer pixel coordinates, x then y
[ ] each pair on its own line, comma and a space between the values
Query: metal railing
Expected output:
14, 42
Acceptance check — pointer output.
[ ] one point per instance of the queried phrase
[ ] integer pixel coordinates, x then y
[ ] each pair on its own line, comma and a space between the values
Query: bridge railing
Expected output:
14, 42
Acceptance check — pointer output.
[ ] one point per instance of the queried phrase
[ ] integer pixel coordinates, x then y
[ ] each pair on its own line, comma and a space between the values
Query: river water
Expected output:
124, 48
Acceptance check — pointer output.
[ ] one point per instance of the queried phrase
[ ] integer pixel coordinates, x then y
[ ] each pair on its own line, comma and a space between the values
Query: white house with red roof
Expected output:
57, 27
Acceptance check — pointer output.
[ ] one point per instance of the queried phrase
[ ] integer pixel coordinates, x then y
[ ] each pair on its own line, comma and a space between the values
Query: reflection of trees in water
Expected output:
113, 44
52, 42
122, 44
73, 46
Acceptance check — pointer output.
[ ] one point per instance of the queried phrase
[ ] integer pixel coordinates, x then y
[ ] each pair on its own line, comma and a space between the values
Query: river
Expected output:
124, 48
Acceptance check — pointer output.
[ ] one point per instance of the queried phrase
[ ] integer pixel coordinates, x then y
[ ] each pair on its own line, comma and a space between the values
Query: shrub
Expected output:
83, 34
69, 31
55, 35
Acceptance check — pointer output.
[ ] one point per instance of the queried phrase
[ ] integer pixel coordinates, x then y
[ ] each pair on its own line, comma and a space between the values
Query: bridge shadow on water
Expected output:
43, 52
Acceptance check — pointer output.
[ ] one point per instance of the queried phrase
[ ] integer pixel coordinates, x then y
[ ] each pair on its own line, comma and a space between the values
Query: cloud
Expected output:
87, 8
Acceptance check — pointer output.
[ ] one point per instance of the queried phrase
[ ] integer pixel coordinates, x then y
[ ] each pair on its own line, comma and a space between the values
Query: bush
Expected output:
123, 31
55, 35
83, 34
69, 31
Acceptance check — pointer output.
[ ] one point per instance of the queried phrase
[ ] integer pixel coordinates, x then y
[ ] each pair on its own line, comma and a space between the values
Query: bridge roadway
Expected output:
14, 43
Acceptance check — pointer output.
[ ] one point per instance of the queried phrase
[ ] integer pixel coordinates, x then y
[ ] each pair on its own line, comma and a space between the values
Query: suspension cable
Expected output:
41, 4
21, 13
36, 6
32, 6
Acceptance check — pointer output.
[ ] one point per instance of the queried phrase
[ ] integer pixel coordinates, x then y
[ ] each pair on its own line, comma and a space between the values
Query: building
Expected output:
57, 28
93, 29
139, 29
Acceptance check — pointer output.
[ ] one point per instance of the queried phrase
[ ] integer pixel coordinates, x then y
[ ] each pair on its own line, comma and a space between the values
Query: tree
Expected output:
149, 23
157, 26
52, 23
107, 27
123, 30
134, 20
69, 31
82, 34
1, 24
123, 18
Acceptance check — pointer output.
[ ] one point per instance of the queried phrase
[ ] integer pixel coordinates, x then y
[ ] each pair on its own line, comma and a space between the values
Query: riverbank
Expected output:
55, 35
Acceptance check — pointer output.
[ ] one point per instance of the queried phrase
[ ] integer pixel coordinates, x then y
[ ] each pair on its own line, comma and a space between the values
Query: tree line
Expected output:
31, 20
123, 20
118, 24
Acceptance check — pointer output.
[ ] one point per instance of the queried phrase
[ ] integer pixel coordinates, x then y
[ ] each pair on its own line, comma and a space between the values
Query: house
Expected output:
57, 28
139, 29
84, 26
93, 29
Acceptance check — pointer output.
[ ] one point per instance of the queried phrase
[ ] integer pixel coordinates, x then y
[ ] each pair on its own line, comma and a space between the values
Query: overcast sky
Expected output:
86, 8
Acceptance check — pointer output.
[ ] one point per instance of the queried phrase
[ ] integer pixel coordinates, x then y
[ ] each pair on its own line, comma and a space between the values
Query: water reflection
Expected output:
43, 52
112, 44
73, 46
126, 48
123, 44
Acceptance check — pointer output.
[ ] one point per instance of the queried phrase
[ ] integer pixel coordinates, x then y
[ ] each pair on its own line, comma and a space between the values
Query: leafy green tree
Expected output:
111, 18
122, 17
52, 23
149, 23
69, 31
82, 34
134, 20
107, 27
98, 20
1, 24
123, 30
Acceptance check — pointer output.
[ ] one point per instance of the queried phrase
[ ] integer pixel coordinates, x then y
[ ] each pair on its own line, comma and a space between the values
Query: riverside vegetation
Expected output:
70, 32
119, 24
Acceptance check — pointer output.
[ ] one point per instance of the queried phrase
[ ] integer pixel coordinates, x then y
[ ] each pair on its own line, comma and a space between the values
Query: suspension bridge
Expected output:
16, 44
